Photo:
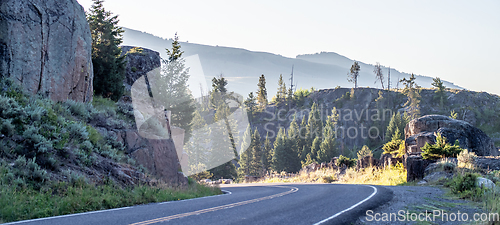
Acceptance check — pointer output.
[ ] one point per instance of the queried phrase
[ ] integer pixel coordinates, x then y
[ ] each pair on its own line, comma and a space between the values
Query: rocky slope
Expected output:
364, 113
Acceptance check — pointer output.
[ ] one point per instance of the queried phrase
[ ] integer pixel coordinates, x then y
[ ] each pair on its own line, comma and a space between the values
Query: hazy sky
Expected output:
458, 41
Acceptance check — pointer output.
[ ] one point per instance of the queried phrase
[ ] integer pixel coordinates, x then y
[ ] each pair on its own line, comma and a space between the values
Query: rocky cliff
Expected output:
46, 46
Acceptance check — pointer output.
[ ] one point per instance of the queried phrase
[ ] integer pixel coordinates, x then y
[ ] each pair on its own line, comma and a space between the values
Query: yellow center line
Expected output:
213, 209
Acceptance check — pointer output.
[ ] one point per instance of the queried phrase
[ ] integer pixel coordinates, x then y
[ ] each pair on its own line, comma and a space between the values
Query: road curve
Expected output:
246, 204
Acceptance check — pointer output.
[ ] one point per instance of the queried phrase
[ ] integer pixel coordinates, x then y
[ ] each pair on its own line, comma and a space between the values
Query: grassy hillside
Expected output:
53, 161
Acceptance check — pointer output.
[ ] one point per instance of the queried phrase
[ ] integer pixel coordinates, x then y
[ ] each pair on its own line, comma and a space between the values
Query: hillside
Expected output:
358, 109
242, 67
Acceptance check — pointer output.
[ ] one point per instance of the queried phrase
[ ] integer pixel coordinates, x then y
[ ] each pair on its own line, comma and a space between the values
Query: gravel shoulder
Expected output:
417, 200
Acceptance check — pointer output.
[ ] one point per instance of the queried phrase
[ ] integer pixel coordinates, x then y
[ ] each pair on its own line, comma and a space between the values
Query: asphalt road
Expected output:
246, 204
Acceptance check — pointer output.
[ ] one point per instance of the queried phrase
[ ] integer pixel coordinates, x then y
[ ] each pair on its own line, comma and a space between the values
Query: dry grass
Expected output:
318, 176
387, 176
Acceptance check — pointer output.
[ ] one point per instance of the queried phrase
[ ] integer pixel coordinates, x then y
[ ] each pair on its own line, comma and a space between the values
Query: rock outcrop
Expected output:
424, 129
138, 62
46, 46
367, 161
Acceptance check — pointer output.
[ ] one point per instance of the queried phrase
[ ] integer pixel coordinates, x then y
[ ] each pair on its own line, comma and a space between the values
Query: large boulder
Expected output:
424, 129
46, 46
138, 62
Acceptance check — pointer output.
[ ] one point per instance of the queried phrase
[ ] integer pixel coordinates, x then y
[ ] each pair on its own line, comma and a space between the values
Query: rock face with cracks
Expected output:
46, 47
424, 129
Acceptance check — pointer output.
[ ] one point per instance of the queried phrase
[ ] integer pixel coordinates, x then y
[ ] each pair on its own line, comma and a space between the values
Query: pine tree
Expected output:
294, 136
315, 147
223, 148
109, 66
279, 161
257, 155
262, 92
397, 122
353, 74
412, 91
196, 147
365, 151
267, 154
250, 104
173, 91
314, 125
439, 94
302, 143
246, 154
281, 95
328, 148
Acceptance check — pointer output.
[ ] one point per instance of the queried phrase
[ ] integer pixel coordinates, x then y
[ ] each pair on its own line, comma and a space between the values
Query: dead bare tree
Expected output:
378, 74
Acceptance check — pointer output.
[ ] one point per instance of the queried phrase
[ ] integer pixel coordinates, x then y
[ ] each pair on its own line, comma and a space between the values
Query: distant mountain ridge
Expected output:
242, 67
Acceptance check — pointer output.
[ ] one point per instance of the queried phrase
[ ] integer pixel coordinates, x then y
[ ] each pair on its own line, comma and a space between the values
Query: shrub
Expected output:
9, 108
78, 109
441, 149
94, 136
466, 159
342, 160
395, 147
125, 109
77, 131
35, 112
365, 151
7, 128
465, 185
36, 140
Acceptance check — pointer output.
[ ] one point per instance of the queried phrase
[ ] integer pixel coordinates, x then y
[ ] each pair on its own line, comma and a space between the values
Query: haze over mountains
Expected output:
242, 68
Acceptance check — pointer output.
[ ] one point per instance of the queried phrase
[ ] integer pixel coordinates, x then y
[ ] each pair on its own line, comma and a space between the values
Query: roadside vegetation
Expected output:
46, 147
372, 175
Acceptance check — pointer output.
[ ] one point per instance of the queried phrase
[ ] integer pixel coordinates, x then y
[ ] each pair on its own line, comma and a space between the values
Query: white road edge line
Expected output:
109, 210
350, 208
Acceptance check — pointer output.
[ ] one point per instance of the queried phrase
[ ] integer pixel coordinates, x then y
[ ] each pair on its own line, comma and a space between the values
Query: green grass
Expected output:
63, 198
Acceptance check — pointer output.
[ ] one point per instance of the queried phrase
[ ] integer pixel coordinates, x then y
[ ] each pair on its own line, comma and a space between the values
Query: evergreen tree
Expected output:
223, 140
412, 91
397, 122
246, 154
267, 154
173, 91
222, 148
279, 162
281, 95
353, 74
262, 92
196, 147
250, 105
314, 125
294, 136
302, 142
439, 94
328, 148
365, 151
109, 66
257, 155
315, 147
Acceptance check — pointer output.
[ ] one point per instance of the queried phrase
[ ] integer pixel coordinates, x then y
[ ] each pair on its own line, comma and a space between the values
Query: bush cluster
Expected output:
441, 149
344, 161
